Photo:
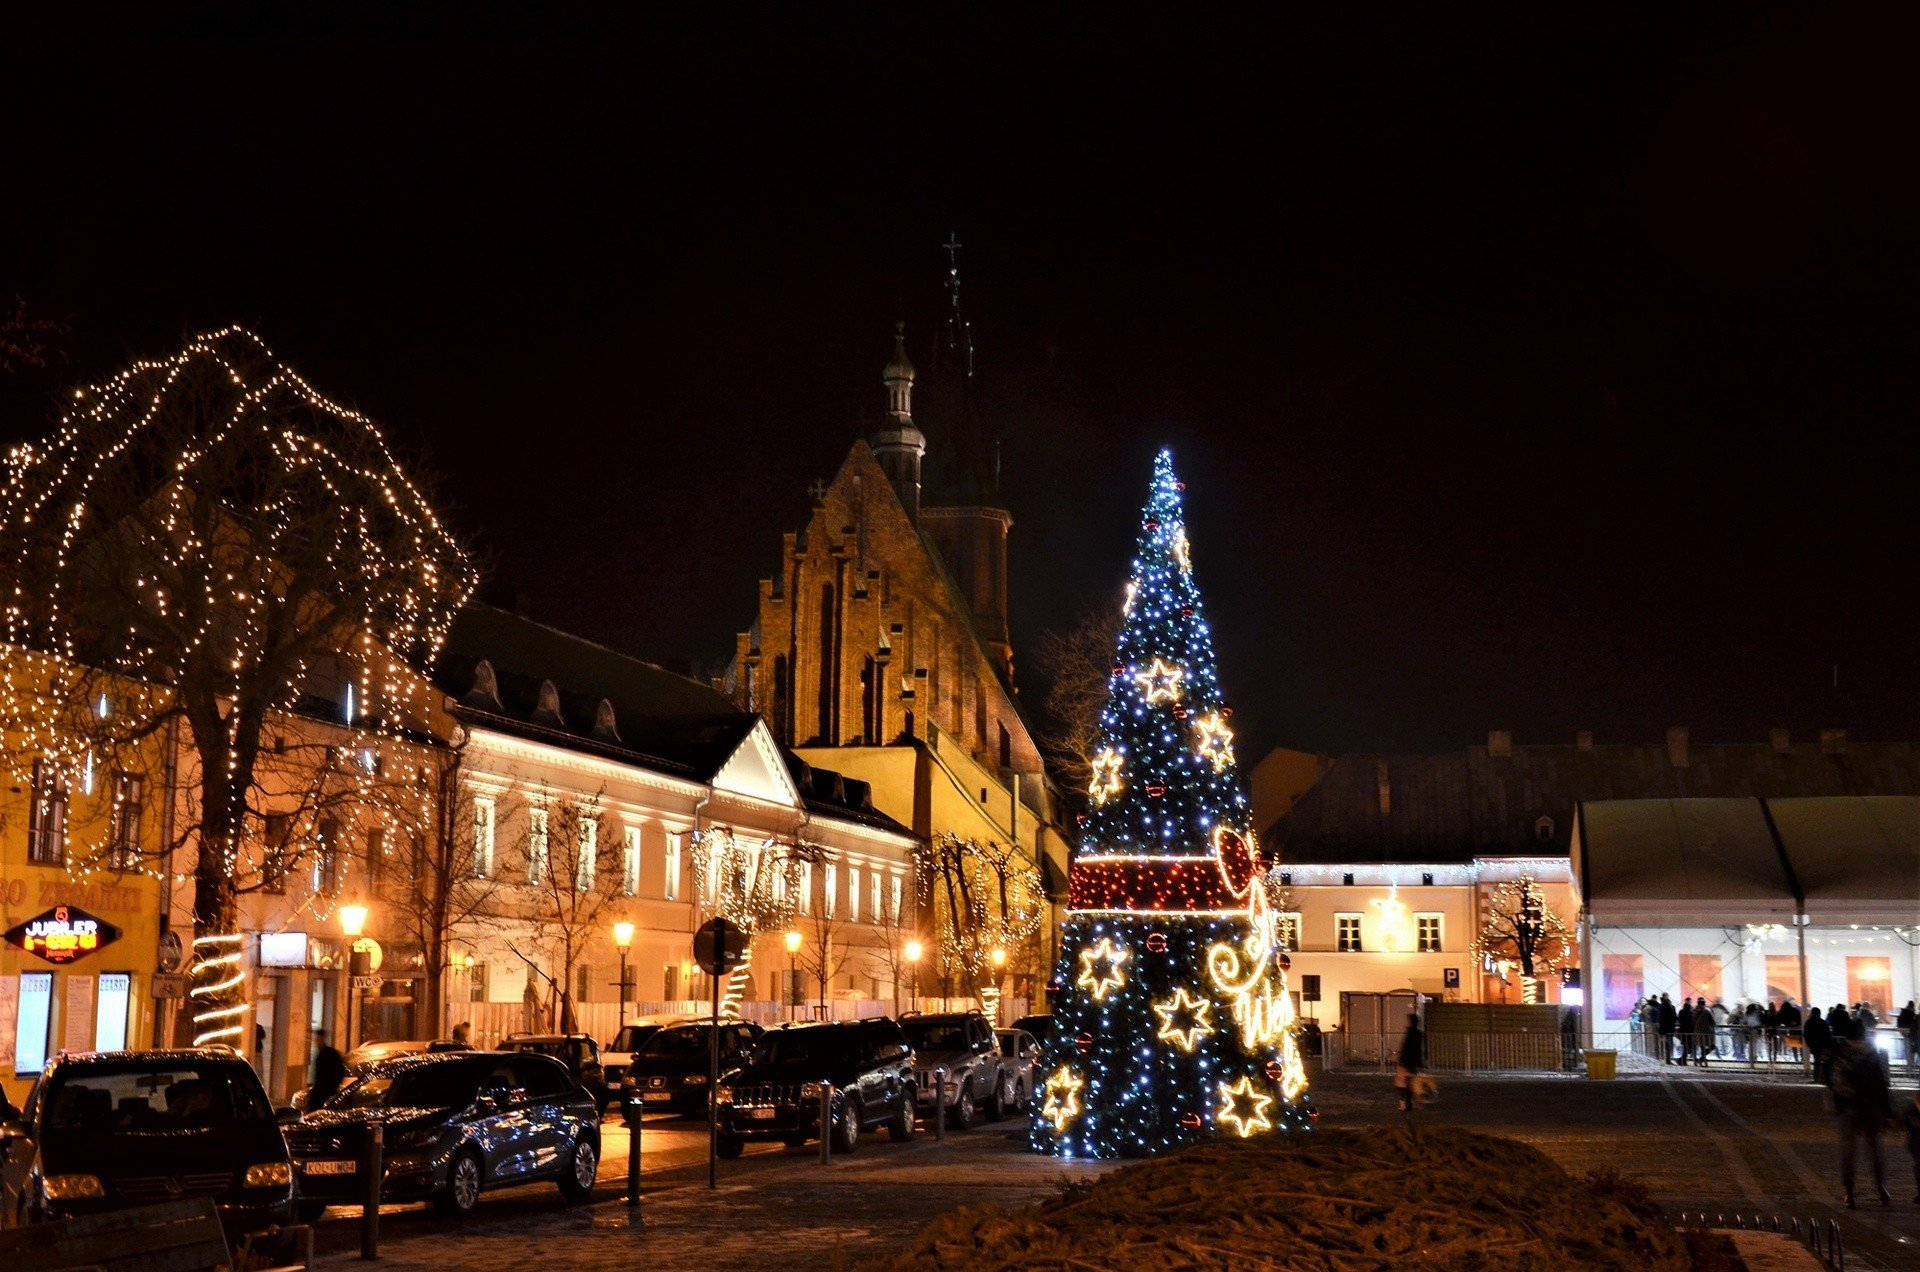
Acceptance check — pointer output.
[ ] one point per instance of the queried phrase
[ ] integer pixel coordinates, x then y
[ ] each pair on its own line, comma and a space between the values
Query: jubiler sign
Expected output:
63, 934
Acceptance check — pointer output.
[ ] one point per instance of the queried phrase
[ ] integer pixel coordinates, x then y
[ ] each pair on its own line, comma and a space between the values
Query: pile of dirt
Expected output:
1337, 1200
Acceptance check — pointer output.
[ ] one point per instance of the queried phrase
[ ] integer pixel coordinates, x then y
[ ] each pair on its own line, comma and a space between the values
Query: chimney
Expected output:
1584, 739
1779, 741
1833, 741
1500, 744
1677, 745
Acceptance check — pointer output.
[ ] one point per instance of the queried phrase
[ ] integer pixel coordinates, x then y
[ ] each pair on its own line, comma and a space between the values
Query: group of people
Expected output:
1695, 1031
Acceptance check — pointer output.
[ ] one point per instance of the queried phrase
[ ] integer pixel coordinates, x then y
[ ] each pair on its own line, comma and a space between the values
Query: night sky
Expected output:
1531, 369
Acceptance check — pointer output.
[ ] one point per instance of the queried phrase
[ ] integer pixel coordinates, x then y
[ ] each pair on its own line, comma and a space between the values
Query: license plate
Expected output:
329, 1168
765, 1114
656, 1095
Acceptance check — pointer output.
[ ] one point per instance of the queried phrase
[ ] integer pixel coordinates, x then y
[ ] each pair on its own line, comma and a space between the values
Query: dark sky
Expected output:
1545, 368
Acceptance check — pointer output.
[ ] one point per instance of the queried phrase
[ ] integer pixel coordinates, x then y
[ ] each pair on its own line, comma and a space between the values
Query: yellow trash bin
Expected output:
1600, 1065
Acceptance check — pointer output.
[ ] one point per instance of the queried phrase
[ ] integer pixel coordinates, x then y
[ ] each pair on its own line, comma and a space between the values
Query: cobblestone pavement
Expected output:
1721, 1146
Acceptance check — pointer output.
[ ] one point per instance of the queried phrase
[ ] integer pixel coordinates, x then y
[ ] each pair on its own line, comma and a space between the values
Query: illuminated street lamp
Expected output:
353, 924
913, 951
622, 938
793, 973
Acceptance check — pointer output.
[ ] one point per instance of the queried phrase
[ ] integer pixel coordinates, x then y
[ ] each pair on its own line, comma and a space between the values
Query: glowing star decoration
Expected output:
1107, 782
1243, 1108
1184, 1019
1062, 1104
1214, 740
1161, 681
1103, 968
1182, 553
1395, 929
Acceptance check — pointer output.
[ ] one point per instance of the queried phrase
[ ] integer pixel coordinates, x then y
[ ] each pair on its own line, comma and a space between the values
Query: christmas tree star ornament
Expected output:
1214, 740
1243, 1108
1160, 682
1107, 782
1184, 1019
1062, 1104
1103, 968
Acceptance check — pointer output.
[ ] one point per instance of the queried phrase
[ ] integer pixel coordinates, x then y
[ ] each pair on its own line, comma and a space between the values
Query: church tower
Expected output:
899, 446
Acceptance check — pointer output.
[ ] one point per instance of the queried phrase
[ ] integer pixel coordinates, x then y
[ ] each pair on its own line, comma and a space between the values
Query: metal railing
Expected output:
1777, 1052
1504, 1052
1824, 1238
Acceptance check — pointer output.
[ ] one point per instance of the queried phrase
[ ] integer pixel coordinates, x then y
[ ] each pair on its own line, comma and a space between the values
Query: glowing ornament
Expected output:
1062, 1104
1157, 942
1103, 968
1236, 858
1107, 782
1184, 1019
1181, 550
1394, 927
1161, 681
1214, 740
1243, 1108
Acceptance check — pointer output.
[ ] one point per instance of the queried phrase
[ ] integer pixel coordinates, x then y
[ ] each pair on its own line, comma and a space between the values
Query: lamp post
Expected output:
998, 958
353, 924
793, 973
622, 938
913, 951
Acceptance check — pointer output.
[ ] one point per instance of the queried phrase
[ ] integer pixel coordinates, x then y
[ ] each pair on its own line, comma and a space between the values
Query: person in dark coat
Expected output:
329, 1072
1665, 1021
1908, 1022
1910, 1118
1837, 1021
1413, 1058
1683, 1029
1862, 1099
1819, 1040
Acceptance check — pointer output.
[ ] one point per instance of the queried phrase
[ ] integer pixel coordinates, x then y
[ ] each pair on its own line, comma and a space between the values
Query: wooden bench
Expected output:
175, 1236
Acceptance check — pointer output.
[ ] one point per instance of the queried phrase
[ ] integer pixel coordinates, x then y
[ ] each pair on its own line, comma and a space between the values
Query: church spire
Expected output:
899, 445
957, 343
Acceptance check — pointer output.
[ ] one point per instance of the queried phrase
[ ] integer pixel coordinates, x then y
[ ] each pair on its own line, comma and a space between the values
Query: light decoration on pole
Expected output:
209, 542
753, 885
1175, 1022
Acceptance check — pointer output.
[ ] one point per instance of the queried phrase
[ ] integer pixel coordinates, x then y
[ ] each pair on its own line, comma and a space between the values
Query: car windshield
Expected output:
928, 1036
561, 1049
676, 1044
799, 1046
161, 1095
428, 1086
633, 1037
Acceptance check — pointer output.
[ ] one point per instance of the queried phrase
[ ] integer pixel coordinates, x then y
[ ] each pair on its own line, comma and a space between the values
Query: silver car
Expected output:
1019, 1058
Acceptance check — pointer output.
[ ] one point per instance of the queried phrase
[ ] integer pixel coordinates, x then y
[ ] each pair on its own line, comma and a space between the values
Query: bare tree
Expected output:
753, 884
27, 340
889, 958
571, 885
206, 544
824, 953
984, 896
1077, 663
1521, 927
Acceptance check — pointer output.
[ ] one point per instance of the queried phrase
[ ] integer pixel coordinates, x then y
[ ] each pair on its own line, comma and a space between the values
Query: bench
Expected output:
175, 1236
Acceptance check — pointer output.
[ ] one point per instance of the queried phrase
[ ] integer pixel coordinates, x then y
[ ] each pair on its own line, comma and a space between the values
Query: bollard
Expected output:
826, 1123
370, 1210
940, 1103
633, 1160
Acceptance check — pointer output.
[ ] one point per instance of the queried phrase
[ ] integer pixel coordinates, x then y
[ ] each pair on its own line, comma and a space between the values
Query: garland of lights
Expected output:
985, 896
753, 886
1172, 1017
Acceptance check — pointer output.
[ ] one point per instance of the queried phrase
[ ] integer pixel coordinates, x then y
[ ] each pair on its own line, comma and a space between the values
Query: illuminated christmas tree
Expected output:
1172, 1022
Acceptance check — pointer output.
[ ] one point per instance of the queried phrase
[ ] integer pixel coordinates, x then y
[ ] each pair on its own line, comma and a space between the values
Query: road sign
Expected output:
719, 946
170, 985
1450, 977
170, 951
368, 982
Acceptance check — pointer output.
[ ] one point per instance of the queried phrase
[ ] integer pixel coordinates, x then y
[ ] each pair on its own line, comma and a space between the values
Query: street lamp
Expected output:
622, 938
793, 973
353, 923
913, 952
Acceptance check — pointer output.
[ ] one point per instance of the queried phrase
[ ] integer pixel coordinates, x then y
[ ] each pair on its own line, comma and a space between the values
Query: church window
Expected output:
826, 729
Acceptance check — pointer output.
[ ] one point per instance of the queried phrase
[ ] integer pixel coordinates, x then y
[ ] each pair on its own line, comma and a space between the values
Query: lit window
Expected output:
671, 888
1428, 927
1346, 933
806, 887
47, 821
588, 864
129, 798
1290, 931
829, 877
853, 894
630, 863
873, 895
274, 862
536, 845
899, 885
326, 856
482, 837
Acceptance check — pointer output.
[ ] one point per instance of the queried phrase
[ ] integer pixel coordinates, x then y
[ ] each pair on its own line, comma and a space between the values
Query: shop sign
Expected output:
63, 934
170, 985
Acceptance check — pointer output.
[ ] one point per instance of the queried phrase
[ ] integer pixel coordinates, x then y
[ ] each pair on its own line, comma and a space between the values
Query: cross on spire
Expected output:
959, 331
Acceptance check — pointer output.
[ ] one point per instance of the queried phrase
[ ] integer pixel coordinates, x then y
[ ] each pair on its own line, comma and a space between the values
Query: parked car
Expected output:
670, 1073
618, 1053
775, 1093
369, 1052
962, 1043
455, 1124
1020, 1056
1038, 1026
578, 1052
109, 1130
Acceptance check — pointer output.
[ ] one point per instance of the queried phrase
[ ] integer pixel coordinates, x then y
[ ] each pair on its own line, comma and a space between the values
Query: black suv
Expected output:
454, 1124
113, 1129
669, 1073
775, 1093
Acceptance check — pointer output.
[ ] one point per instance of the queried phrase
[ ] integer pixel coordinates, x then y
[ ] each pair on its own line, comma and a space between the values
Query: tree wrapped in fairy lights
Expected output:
1172, 1022
208, 548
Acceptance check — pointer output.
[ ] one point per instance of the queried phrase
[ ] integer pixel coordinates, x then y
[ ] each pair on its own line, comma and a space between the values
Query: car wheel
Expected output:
965, 1113
798, 1140
846, 1132
309, 1212
464, 1178
582, 1169
997, 1102
729, 1146
900, 1130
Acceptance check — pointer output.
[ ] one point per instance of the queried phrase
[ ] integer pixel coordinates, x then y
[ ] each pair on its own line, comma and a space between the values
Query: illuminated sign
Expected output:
63, 934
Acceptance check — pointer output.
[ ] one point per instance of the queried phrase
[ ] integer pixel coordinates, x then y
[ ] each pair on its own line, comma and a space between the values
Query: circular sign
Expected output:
170, 951
719, 946
371, 948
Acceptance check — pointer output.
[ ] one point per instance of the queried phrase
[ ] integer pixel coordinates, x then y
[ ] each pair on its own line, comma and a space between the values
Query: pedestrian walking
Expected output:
1683, 1029
1665, 1021
1861, 1095
1770, 1025
329, 1072
1413, 1060
1819, 1041
1702, 1031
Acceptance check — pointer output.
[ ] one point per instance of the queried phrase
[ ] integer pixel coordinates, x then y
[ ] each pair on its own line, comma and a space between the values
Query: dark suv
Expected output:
113, 1129
454, 1124
670, 1071
579, 1052
962, 1043
775, 1093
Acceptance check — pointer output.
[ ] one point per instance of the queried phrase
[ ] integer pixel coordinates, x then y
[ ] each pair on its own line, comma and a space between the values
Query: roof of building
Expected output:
1458, 805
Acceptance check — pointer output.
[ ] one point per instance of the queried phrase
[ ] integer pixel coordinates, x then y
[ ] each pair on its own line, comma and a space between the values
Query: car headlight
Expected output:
72, 1187
268, 1175
811, 1090
723, 1094
695, 1079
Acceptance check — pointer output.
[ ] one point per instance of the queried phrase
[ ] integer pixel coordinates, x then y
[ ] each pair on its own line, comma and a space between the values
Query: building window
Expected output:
1870, 981
273, 863
129, 803
1700, 976
326, 856
536, 845
477, 983
630, 863
873, 896
1347, 879
1427, 933
1286, 878
482, 837
376, 852
853, 894
1346, 933
47, 819
1623, 983
1426, 879
589, 863
671, 888
899, 886
1783, 978
829, 878
806, 887
1290, 931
